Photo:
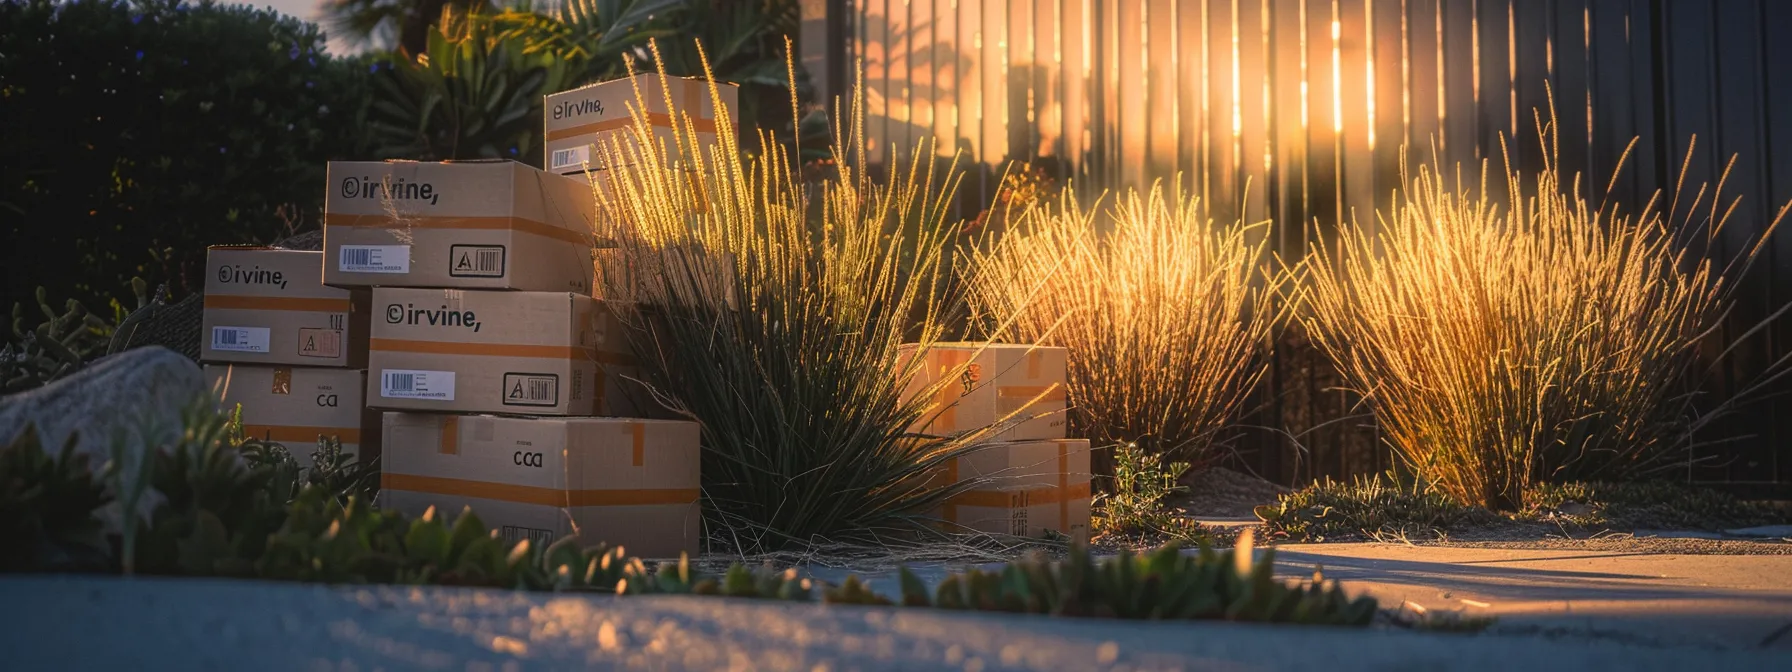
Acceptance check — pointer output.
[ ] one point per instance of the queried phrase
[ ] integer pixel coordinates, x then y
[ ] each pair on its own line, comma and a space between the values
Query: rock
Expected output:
1576, 509
136, 396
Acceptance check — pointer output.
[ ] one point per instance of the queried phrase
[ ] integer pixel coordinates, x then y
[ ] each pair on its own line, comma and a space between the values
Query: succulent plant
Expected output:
58, 345
1165, 584
47, 506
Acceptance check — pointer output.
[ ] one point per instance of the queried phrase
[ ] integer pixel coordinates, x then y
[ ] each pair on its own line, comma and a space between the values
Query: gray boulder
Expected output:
134, 397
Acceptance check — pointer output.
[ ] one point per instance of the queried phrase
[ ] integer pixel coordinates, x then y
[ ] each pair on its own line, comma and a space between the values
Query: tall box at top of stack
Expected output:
457, 224
527, 353
579, 126
614, 480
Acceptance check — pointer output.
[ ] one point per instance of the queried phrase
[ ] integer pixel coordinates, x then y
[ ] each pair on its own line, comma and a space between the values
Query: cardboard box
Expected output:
975, 385
579, 126
531, 353
612, 480
457, 224
270, 306
294, 405
1031, 486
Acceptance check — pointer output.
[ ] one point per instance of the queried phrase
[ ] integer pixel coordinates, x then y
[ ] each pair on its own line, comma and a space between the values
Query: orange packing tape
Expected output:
659, 119
951, 509
638, 433
227, 302
526, 494
517, 224
1035, 360
576, 353
450, 436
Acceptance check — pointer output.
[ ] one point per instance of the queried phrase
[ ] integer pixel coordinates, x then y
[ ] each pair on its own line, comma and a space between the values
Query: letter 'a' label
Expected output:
411, 384
374, 259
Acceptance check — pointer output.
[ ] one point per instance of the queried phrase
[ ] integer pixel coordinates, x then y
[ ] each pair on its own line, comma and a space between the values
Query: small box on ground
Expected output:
295, 405
976, 385
524, 353
580, 125
458, 224
1030, 486
613, 480
270, 306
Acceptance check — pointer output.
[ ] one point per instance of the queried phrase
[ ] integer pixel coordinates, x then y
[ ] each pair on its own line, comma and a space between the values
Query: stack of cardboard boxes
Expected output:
506, 386
287, 350
1028, 479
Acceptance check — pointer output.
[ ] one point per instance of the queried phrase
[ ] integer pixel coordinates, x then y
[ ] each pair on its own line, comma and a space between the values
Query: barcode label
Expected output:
531, 389
476, 261
408, 384
240, 339
374, 259
575, 157
537, 537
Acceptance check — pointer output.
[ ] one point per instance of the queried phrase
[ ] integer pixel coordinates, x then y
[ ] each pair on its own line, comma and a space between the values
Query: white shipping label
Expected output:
374, 259
240, 339
407, 384
571, 157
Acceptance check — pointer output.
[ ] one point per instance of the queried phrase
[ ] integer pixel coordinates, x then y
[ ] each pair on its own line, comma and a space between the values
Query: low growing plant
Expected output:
1365, 507
1647, 504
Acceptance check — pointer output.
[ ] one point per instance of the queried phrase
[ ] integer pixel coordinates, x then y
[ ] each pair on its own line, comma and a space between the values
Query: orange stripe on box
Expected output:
1052, 392
291, 433
481, 349
638, 432
517, 224
1034, 361
659, 119
527, 494
450, 436
1000, 498
227, 302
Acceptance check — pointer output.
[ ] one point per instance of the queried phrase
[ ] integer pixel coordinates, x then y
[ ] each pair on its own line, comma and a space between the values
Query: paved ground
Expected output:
66, 623
1731, 601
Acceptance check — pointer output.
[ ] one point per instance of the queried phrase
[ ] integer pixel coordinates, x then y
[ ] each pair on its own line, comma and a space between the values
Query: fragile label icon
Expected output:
476, 261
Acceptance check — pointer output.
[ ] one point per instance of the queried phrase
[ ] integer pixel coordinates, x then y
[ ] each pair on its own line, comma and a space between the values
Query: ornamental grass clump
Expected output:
1506, 341
1169, 316
777, 312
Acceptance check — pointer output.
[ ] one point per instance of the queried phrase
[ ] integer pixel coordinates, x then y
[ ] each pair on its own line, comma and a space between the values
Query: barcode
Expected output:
531, 389
414, 384
537, 537
357, 257
240, 339
567, 157
479, 261
374, 259
401, 382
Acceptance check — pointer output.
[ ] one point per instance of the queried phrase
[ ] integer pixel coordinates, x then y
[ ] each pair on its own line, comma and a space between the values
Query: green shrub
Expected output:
801, 390
1137, 506
140, 132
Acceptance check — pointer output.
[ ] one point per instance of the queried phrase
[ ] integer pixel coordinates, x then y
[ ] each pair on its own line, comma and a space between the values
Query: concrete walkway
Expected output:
94, 623
1730, 601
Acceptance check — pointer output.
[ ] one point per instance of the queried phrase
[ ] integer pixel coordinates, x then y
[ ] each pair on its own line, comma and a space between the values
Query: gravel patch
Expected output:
1224, 493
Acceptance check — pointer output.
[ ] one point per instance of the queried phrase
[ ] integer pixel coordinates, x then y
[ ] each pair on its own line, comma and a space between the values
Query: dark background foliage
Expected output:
139, 132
